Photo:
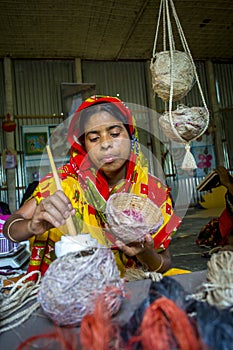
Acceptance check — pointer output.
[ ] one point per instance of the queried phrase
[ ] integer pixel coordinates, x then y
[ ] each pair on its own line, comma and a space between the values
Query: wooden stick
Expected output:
69, 221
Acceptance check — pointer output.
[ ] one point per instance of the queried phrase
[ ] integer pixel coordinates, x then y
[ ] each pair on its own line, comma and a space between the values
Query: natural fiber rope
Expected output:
189, 161
139, 274
20, 294
171, 39
186, 48
185, 45
218, 289
157, 31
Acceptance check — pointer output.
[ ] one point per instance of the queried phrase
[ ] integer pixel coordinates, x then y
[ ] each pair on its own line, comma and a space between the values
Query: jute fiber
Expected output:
181, 76
188, 123
73, 282
219, 286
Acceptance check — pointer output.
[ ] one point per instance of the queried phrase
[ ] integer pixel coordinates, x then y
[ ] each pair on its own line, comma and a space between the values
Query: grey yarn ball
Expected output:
73, 282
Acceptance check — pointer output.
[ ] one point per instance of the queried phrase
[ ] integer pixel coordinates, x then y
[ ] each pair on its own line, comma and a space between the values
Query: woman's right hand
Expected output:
50, 212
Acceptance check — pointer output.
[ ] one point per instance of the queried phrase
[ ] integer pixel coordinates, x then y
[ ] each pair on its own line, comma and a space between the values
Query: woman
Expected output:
105, 159
218, 232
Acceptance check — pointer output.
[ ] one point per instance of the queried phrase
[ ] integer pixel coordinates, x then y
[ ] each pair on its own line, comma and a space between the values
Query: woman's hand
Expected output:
135, 248
147, 255
50, 212
32, 219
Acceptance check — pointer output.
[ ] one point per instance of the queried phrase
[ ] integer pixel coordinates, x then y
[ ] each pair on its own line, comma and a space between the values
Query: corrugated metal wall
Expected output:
37, 101
124, 79
224, 83
2, 89
224, 87
37, 86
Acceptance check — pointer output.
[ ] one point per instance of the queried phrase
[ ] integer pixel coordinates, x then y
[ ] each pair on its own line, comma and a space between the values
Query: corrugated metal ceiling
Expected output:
109, 30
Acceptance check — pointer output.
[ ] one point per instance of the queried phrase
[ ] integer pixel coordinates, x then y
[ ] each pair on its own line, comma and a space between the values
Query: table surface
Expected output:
137, 291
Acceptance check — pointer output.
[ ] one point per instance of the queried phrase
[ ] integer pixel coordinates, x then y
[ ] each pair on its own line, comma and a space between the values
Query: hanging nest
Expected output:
73, 282
183, 76
131, 217
188, 123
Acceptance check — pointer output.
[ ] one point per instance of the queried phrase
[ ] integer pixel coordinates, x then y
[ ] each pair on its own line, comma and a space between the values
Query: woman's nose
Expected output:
106, 142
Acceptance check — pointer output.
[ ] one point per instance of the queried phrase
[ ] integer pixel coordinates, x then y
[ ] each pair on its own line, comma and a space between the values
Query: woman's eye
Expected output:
115, 134
94, 139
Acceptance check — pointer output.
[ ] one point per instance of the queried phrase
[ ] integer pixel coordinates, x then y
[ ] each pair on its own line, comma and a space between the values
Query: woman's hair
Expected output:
85, 114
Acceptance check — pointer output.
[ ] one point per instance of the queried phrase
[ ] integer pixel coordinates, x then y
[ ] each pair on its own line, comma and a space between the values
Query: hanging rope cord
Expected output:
20, 294
167, 23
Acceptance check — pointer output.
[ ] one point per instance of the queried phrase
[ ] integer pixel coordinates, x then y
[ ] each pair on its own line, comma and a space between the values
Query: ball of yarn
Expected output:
131, 217
73, 282
188, 123
182, 76
219, 286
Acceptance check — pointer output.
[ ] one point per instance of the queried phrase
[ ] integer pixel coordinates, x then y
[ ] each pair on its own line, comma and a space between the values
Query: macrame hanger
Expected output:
189, 160
186, 48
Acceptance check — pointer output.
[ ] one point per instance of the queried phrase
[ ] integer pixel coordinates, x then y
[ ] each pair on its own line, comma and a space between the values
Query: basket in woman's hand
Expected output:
131, 217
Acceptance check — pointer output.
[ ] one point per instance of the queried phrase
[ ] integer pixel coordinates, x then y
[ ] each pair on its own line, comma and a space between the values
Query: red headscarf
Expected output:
79, 161
74, 131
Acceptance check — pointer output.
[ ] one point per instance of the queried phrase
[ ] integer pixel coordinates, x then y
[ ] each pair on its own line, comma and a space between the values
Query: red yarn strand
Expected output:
165, 326
97, 331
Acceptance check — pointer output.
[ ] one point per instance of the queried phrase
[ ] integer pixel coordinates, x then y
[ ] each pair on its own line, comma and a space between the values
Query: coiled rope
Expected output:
139, 274
13, 310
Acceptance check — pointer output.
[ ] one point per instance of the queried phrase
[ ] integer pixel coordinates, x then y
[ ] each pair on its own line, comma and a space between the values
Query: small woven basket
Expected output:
188, 123
180, 72
131, 217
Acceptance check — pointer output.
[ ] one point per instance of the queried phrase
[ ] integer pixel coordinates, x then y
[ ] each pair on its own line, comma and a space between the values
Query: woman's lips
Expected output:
108, 159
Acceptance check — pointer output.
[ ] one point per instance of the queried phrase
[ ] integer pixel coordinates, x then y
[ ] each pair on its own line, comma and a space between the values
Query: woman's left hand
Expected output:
135, 248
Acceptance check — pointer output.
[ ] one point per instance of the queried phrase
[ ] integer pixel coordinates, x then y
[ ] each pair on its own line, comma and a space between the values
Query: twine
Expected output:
218, 289
139, 274
174, 76
19, 296
73, 282
131, 217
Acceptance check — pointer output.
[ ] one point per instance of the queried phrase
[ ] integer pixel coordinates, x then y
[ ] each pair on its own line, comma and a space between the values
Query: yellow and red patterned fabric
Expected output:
88, 191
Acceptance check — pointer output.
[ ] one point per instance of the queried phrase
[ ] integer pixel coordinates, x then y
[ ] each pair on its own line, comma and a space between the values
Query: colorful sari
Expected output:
88, 191
217, 231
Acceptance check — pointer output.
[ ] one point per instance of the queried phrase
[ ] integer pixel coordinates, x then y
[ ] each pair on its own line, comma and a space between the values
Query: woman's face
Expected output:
107, 143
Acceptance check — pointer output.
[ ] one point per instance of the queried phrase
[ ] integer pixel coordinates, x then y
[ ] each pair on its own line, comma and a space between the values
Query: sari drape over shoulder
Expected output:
88, 191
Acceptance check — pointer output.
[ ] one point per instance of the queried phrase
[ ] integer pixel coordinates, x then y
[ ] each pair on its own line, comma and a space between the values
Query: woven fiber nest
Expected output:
73, 282
189, 123
131, 217
183, 76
